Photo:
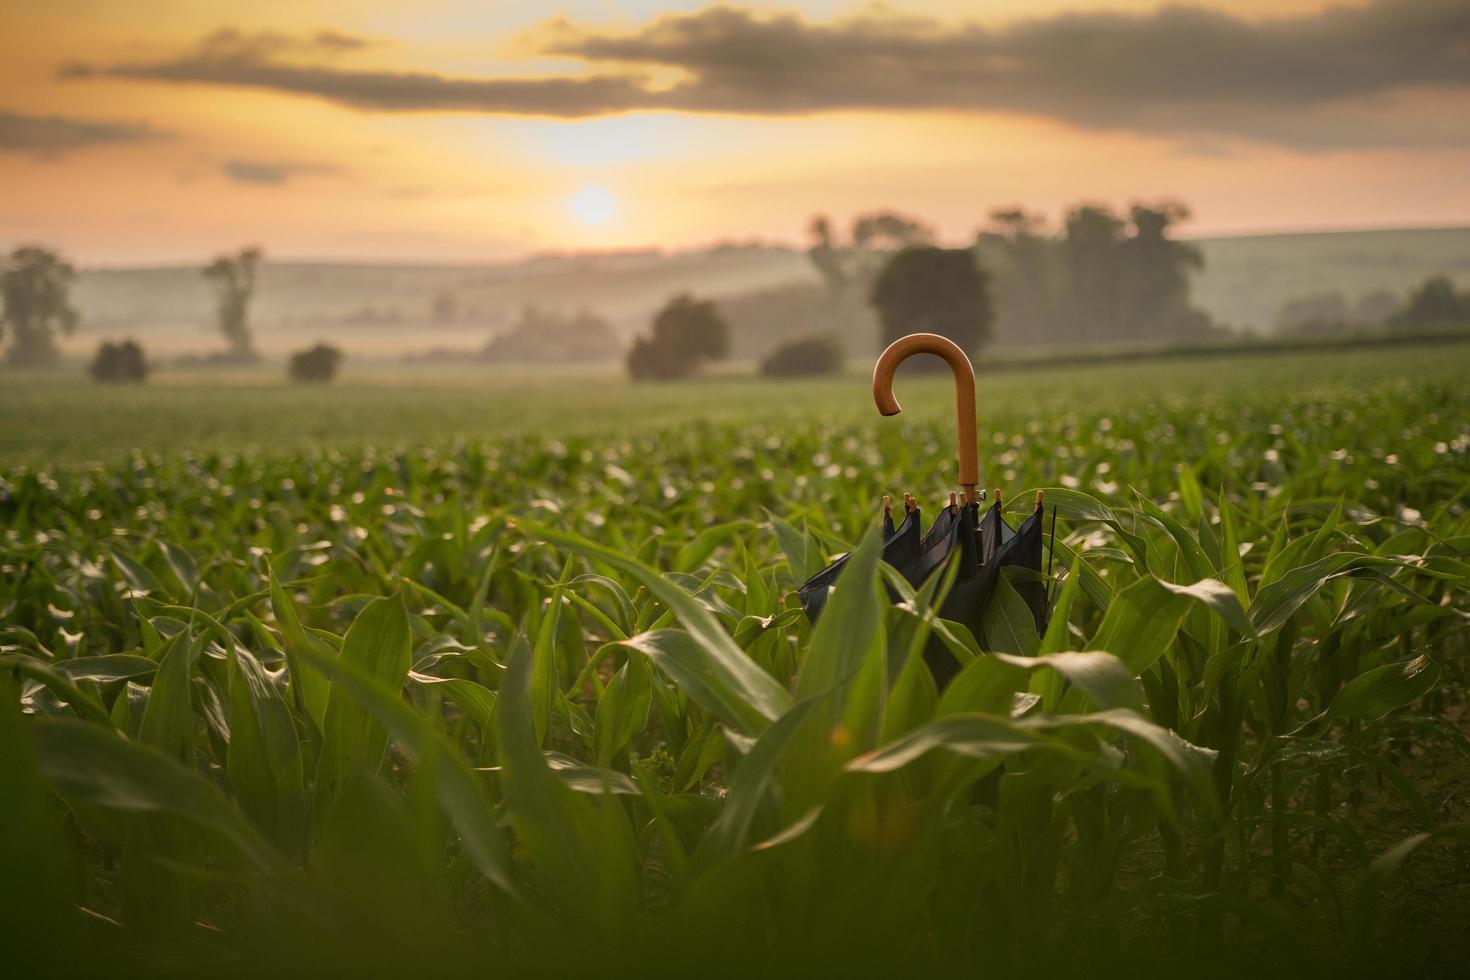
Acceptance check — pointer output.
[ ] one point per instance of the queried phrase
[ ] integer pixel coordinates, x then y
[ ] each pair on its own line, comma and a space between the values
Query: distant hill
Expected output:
1246, 280
392, 309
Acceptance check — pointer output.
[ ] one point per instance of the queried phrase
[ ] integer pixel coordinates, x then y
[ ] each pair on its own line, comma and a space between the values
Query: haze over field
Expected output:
388, 310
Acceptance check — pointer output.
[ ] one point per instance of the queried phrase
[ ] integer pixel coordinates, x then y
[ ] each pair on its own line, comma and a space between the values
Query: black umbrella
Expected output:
986, 543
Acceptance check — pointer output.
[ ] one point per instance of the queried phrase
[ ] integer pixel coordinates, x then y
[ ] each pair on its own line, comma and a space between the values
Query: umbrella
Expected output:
986, 543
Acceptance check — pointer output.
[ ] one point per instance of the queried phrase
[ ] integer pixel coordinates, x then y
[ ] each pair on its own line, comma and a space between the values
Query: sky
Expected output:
162, 131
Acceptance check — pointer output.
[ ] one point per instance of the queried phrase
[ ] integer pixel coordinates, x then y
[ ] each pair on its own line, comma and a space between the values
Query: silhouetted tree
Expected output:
1436, 303
1154, 301
648, 361
1029, 279
686, 333
315, 365
849, 268
1103, 279
1094, 272
120, 363
807, 357
34, 287
934, 290
233, 278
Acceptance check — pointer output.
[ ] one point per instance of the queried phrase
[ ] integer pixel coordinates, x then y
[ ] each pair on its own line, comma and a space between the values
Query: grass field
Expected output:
506, 675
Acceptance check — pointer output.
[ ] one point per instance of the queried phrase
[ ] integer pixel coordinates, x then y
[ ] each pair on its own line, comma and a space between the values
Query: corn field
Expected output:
547, 704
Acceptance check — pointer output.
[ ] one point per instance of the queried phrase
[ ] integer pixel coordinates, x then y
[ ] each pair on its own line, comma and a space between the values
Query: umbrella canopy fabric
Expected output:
901, 549
985, 544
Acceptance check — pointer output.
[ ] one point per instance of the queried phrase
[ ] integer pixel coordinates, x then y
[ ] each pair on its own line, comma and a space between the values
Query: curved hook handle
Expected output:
964, 382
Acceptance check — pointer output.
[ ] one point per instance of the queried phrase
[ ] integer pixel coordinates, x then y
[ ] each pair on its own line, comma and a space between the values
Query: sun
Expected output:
594, 205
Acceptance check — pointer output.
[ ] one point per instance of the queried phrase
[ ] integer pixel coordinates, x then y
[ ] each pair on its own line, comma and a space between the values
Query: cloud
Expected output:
231, 58
1317, 81
271, 173
55, 136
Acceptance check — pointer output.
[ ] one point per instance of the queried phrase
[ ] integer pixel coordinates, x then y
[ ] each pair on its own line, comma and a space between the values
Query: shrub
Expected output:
317, 365
119, 363
1436, 303
648, 360
686, 332
807, 357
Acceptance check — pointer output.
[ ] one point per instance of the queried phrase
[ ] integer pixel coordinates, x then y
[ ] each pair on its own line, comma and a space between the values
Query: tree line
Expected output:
36, 308
1099, 277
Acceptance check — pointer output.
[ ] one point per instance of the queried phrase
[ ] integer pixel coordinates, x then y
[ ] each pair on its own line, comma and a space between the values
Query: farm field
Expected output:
506, 674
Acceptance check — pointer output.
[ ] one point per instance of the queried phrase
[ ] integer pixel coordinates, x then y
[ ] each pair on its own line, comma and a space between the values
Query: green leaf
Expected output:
353, 738
1275, 603
1219, 598
622, 711
973, 735
264, 759
456, 787
986, 686
58, 684
1009, 625
88, 764
1058, 636
849, 627
475, 700
730, 834
989, 737
307, 686
757, 597
1103, 677
698, 549
544, 674
704, 657
168, 721
1141, 623
740, 694
1374, 693
582, 848
802, 555
40, 866
107, 668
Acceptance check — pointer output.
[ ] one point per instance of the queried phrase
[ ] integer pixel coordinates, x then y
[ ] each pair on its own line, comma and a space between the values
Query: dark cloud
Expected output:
54, 136
271, 172
263, 61
1311, 82
1176, 71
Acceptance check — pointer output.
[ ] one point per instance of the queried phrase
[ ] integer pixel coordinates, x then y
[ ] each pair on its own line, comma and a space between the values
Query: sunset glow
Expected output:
158, 131
594, 205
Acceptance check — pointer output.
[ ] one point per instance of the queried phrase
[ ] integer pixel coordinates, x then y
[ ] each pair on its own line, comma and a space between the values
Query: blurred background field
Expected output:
387, 312
52, 420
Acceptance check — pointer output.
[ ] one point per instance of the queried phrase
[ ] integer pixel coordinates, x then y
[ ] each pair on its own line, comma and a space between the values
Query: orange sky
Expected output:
187, 166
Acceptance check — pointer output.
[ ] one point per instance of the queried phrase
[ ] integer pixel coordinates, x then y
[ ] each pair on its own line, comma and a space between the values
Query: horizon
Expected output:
445, 133
674, 251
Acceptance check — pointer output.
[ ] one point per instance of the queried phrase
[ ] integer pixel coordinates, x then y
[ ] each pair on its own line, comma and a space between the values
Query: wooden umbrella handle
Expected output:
964, 382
